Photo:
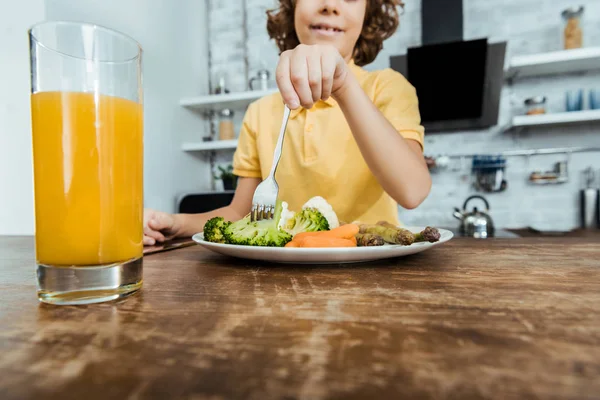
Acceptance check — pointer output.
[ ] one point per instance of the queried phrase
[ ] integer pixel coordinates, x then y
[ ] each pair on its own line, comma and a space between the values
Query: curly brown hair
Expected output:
381, 21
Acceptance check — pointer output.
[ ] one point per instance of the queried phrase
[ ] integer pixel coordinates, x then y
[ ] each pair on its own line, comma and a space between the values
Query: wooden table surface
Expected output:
497, 318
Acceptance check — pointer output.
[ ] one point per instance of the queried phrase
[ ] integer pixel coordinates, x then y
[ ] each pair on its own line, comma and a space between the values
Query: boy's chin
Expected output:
329, 41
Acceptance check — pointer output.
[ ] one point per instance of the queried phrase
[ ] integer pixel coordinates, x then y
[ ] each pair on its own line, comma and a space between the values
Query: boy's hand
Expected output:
308, 74
158, 226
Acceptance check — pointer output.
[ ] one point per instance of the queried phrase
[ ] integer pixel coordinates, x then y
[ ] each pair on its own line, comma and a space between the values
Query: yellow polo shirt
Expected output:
320, 156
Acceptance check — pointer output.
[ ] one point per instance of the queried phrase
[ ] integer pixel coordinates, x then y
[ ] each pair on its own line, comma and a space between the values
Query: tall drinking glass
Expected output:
87, 129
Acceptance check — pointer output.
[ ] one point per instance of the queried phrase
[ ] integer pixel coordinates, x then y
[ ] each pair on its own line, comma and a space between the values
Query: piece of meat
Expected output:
391, 235
369, 239
428, 234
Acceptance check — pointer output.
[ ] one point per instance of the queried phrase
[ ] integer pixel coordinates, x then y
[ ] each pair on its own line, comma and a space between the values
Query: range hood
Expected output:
458, 82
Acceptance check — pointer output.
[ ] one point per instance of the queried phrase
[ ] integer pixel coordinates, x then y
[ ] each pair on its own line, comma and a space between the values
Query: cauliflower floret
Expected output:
321, 205
286, 215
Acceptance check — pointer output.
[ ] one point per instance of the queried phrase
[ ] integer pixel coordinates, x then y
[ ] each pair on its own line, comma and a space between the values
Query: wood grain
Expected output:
516, 318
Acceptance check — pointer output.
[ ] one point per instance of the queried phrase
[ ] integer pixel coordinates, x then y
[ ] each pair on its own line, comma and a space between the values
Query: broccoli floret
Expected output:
214, 230
258, 233
306, 220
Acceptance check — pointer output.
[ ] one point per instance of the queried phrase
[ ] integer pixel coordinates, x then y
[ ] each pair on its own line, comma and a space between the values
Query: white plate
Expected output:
321, 255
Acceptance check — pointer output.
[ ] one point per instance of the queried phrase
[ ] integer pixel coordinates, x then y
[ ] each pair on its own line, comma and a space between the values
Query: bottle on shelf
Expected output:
226, 129
573, 28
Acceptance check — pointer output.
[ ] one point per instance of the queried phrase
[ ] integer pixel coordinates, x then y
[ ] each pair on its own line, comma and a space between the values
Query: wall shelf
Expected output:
544, 182
210, 146
562, 118
221, 101
209, 149
556, 62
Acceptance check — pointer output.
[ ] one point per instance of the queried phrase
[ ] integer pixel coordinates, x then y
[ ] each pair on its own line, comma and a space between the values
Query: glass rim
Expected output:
122, 35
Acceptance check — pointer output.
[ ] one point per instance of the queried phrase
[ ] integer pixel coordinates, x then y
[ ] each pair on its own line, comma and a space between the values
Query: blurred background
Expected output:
523, 131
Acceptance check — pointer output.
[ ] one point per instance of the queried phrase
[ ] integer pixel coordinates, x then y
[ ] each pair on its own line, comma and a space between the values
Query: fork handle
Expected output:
279, 146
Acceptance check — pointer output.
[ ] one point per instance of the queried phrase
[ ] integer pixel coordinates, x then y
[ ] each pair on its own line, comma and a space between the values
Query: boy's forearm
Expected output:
190, 224
399, 169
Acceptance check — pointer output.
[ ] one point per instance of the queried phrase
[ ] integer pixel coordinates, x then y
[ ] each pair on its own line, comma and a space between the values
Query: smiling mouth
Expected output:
324, 28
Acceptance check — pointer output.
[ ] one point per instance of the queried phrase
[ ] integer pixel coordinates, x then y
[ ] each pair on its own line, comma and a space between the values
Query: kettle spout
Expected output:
457, 214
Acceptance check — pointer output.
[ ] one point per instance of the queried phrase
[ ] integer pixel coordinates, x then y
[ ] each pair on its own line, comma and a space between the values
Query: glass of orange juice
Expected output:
87, 130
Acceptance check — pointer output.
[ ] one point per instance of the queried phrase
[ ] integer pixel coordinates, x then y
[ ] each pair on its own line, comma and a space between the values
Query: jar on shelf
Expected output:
573, 27
535, 105
226, 130
261, 81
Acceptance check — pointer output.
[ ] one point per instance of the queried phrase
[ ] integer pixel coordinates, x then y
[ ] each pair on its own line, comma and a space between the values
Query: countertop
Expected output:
494, 318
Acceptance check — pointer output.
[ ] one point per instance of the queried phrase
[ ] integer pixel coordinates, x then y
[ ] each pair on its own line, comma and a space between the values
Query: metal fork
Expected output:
265, 195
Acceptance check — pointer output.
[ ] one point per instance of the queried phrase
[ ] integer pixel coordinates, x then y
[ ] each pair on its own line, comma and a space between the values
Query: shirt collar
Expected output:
330, 102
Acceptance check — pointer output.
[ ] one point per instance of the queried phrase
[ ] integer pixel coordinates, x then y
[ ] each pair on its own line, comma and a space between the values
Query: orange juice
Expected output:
88, 176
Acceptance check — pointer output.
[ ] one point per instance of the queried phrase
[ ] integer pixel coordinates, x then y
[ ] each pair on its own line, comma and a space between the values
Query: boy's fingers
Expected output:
147, 216
314, 75
284, 83
157, 225
299, 77
154, 234
328, 70
340, 71
158, 229
161, 221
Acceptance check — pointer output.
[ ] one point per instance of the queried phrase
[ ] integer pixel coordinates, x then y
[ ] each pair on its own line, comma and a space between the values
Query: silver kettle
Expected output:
477, 224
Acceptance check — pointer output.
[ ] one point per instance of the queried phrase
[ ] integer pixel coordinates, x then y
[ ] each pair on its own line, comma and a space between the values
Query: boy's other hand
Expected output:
158, 226
308, 74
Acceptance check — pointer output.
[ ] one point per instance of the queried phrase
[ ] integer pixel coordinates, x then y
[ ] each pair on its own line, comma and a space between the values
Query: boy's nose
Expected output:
330, 7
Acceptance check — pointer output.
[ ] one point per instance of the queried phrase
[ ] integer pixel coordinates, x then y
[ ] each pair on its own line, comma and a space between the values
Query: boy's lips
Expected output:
325, 29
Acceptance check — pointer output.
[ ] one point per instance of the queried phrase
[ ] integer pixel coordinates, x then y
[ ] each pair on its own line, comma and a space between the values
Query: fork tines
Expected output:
261, 211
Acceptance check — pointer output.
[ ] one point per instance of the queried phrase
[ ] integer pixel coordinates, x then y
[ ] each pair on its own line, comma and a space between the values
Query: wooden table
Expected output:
514, 318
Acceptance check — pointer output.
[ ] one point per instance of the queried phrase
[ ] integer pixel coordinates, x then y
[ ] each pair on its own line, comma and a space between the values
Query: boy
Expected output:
354, 137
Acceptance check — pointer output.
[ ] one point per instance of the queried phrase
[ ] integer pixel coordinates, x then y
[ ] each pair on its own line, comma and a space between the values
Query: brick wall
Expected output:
239, 44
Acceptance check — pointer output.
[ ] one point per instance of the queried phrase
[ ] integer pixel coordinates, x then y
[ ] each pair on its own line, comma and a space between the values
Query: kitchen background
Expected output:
190, 46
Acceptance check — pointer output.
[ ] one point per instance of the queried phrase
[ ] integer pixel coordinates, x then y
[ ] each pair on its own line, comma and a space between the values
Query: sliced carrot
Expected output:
303, 235
347, 231
292, 244
314, 241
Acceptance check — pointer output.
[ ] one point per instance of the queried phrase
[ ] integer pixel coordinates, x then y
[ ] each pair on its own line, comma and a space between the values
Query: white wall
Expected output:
175, 64
16, 181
